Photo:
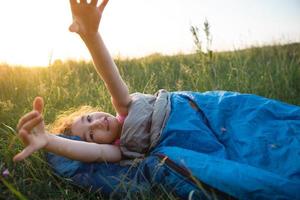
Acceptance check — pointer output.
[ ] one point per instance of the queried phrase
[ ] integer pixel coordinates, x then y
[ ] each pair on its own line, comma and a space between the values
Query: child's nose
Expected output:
99, 123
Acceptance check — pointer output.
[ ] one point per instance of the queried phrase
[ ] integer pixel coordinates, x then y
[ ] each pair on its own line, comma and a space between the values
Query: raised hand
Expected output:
31, 130
86, 16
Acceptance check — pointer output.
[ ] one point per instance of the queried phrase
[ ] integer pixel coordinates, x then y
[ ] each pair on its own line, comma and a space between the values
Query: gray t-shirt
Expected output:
144, 123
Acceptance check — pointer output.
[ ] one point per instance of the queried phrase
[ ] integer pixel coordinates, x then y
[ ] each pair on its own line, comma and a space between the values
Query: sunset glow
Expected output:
36, 32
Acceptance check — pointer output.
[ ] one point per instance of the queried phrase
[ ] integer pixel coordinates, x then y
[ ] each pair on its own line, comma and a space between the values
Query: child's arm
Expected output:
86, 20
83, 151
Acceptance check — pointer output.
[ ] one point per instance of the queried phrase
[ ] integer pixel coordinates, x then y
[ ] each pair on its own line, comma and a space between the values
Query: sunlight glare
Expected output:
36, 32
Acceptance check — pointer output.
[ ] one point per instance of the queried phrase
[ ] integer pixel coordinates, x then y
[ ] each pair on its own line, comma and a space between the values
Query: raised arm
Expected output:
86, 20
32, 133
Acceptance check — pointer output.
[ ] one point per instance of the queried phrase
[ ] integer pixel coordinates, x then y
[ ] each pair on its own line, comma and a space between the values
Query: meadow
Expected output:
270, 71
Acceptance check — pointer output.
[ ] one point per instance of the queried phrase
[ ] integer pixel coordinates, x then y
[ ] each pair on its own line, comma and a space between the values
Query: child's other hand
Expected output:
31, 130
86, 16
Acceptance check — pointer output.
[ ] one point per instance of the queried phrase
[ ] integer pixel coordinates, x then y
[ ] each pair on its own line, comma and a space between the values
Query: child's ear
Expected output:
38, 104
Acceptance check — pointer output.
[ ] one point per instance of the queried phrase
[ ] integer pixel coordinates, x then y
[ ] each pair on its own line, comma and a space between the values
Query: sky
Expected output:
35, 32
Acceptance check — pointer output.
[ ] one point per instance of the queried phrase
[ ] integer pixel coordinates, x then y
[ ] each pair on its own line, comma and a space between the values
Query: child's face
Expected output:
98, 127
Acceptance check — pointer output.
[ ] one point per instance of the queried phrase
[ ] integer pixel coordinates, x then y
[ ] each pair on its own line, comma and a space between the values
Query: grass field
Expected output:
271, 71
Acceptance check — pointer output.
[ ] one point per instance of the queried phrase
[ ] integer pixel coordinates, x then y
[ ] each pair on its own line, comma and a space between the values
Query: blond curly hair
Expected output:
63, 122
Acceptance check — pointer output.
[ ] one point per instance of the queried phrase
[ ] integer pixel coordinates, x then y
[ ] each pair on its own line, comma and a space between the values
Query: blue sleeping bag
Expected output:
214, 144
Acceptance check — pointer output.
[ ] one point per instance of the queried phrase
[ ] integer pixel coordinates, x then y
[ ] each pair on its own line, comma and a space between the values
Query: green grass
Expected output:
271, 71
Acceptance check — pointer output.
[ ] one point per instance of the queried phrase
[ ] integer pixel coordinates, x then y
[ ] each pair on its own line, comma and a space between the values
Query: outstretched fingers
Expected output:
29, 124
24, 154
73, 3
102, 5
94, 2
26, 118
38, 104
